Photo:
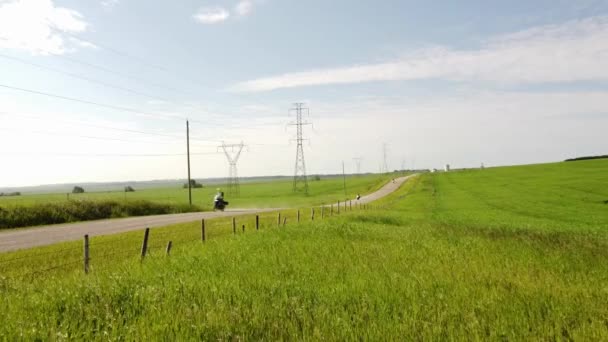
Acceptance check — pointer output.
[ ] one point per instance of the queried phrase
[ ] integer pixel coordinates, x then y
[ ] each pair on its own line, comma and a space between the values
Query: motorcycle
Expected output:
219, 205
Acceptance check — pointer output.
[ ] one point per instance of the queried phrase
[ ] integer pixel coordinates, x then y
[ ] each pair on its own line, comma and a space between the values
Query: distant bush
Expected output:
194, 184
16, 193
77, 190
129, 189
587, 158
316, 178
74, 211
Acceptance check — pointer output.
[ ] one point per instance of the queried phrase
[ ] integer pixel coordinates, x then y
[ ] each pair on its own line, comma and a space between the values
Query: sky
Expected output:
99, 90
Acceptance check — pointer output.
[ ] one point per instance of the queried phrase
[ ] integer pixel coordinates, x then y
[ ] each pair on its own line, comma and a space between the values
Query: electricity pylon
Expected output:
358, 164
232, 152
384, 167
300, 182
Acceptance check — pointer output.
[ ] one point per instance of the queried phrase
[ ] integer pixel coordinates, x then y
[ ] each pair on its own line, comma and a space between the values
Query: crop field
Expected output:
513, 253
271, 194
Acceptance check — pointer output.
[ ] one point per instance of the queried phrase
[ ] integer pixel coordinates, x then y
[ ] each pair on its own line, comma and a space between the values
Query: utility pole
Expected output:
344, 178
384, 164
300, 182
232, 152
188, 152
358, 164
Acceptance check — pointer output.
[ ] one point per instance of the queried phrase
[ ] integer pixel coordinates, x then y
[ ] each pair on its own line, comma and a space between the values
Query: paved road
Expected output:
47, 235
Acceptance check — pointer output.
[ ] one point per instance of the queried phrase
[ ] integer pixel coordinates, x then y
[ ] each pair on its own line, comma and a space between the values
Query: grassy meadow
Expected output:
271, 194
513, 253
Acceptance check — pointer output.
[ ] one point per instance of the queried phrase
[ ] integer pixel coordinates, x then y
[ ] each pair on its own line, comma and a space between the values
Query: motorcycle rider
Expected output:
218, 200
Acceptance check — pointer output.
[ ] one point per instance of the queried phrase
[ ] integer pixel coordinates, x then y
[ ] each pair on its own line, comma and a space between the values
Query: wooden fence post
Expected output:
203, 230
322, 211
350, 205
312, 214
338, 206
298, 216
284, 221
331, 209
169, 247
257, 222
243, 228
144, 245
86, 254
234, 225
279, 219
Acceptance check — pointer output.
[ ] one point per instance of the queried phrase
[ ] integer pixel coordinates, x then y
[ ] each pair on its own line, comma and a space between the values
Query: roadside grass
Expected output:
108, 250
454, 256
33, 210
75, 211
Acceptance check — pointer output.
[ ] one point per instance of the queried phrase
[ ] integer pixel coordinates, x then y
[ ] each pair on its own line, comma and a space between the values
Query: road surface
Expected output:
11, 240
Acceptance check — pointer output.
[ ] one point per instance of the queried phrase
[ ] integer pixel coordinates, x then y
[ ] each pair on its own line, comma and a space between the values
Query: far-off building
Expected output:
447, 167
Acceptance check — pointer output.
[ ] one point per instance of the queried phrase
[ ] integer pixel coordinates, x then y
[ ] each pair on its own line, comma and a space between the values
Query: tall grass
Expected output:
73, 211
454, 257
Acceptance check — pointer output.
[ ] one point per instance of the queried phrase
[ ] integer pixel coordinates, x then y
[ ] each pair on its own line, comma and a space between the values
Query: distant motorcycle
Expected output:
219, 205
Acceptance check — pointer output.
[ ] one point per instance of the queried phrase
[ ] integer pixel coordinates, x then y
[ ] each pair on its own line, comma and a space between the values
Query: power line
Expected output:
37, 117
104, 155
75, 123
113, 50
121, 74
95, 81
88, 79
85, 136
140, 60
73, 75
117, 73
103, 105
125, 109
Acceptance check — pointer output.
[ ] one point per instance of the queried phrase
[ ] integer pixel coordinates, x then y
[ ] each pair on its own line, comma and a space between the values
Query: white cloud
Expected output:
38, 26
244, 8
212, 15
109, 4
573, 51
464, 129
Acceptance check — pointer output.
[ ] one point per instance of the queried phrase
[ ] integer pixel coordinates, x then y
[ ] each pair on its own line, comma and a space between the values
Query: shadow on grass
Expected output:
593, 243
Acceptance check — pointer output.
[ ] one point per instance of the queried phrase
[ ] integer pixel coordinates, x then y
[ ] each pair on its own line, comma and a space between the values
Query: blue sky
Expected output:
463, 83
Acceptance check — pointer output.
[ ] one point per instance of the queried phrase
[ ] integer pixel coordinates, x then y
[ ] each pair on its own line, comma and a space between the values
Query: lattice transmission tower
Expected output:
357, 161
300, 182
384, 167
232, 152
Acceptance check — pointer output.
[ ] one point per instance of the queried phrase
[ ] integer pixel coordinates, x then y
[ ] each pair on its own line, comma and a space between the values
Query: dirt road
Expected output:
47, 235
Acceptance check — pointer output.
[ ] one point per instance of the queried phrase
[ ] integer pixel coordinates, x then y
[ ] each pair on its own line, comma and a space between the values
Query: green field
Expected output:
271, 194
513, 253
44, 209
